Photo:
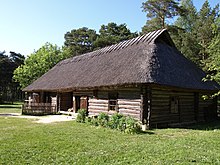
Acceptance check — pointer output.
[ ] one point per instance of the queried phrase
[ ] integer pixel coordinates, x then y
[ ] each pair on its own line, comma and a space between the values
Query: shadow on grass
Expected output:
146, 133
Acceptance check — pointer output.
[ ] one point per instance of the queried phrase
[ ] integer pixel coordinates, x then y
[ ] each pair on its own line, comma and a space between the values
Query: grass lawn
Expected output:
25, 142
11, 108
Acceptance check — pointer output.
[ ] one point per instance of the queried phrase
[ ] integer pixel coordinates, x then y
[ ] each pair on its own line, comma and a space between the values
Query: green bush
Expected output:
116, 121
132, 126
122, 124
94, 121
103, 119
81, 116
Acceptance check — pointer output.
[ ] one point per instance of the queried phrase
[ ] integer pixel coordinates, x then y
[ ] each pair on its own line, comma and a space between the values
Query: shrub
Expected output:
103, 119
114, 120
122, 124
81, 116
132, 126
94, 121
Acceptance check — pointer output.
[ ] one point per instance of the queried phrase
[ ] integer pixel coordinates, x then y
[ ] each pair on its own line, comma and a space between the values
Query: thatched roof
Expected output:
148, 59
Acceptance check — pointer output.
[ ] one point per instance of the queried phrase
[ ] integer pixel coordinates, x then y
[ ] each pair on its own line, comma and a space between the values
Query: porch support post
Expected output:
58, 102
145, 116
148, 106
143, 105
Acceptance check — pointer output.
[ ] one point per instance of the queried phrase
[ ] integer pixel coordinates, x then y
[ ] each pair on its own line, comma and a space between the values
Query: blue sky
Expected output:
25, 25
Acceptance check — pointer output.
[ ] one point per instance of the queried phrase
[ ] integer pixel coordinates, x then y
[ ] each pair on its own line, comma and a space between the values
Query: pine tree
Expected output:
159, 12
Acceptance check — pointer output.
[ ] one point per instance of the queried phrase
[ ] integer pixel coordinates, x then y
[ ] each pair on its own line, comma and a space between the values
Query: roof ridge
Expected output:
145, 38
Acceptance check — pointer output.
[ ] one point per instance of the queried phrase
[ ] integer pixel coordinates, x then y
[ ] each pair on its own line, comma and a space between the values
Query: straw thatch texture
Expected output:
151, 58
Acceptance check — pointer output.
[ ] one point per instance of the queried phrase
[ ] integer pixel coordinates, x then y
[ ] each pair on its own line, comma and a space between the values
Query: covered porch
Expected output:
38, 109
48, 103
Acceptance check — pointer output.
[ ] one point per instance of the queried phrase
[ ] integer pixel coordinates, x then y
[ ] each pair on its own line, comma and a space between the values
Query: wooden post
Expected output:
148, 106
58, 102
145, 107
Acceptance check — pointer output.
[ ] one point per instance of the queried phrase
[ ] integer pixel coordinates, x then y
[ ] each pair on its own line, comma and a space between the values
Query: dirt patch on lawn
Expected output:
41, 119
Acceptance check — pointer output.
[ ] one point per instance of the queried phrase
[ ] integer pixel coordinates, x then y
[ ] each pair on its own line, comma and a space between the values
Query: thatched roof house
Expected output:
146, 69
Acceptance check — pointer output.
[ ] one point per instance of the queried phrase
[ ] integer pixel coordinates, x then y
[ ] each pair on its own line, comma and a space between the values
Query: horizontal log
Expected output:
129, 103
129, 95
165, 92
130, 100
129, 107
160, 96
97, 111
129, 111
98, 104
97, 107
161, 104
98, 101
129, 89
160, 107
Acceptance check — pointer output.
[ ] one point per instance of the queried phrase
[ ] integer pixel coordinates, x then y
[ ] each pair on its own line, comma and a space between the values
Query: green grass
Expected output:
25, 142
11, 108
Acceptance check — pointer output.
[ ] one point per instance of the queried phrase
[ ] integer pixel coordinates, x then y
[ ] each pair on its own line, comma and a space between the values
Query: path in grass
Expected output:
14, 110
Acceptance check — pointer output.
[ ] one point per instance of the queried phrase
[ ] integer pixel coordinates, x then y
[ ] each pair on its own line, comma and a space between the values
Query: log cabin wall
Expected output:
161, 106
207, 108
128, 102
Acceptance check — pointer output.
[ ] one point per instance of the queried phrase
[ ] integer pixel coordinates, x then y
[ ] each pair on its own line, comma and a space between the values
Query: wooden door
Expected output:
83, 102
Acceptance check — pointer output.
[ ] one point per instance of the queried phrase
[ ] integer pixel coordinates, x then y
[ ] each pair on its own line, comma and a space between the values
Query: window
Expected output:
174, 104
112, 102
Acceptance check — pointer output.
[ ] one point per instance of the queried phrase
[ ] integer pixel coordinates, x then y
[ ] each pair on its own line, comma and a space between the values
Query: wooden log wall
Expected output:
97, 105
207, 108
128, 101
160, 112
186, 107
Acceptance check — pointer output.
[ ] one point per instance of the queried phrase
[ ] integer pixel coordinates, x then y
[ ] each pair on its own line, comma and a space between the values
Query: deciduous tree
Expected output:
38, 63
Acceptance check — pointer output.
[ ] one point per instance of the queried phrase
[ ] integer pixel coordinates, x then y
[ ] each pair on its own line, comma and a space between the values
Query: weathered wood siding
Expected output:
160, 110
129, 103
97, 106
187, 107
207, 108
160, 107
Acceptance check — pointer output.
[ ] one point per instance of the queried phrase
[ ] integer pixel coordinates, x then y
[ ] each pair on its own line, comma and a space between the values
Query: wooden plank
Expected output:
129, 103
98, 108
129, 107
97, 111
130, 100
98, 104
129, 111
100, 101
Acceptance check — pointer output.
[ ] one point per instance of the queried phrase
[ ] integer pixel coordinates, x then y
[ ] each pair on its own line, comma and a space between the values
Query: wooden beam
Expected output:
149, 106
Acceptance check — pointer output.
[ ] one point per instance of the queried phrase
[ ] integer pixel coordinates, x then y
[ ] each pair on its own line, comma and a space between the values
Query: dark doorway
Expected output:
66, 101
